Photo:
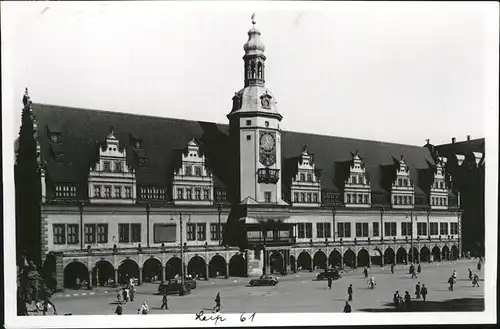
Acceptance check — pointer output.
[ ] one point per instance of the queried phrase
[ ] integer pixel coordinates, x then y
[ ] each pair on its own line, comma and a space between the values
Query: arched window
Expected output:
259, 70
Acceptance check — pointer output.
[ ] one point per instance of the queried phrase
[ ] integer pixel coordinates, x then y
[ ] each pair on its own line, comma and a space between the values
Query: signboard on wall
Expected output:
165, 233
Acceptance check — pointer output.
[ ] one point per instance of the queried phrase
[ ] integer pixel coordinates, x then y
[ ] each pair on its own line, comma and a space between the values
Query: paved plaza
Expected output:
298, 293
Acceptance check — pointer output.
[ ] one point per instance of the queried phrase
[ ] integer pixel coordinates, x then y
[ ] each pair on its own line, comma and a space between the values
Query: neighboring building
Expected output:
115, 186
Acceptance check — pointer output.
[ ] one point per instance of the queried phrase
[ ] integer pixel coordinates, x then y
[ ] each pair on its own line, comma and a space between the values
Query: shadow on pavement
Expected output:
452, 305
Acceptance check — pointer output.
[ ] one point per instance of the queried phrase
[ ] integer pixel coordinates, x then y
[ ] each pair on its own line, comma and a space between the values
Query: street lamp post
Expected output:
411, 235
80, 208
148, 210
219, 210
181, 293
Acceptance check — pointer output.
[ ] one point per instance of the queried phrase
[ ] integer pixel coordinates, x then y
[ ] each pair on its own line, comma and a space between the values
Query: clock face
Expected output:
266, 103
267, 142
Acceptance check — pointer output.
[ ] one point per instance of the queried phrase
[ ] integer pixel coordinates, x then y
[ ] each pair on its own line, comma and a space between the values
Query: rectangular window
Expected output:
136, 232
201, 232
123, 233
309, 197
295, 197
118, 192
213, 232
348, 198
164, 233
107, 166
197, 170
453, 228
309, 230
361, 230
118, 166
188, 170
73, 237
354, 179
443, 228
375, 229
390, 229
249, 137
400, 182
267, 196
102, 233
309, 178
366, 198
344, 230
97, 191
433, 228
315, 197
249, 122
319, 230
128, 192
421, 228
360, 198
327, 230
197, 194
301, 230
302, 178
191, 232
107, 192
206, 194
180, 194
89, 233
59, 233
405, 182
406, 229
189, 194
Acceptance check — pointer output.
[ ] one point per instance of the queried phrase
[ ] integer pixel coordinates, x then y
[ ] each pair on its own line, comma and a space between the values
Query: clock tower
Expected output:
254, 127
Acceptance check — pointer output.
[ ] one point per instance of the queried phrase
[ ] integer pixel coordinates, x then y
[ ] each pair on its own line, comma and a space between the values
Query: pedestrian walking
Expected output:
329, 282
119, 296
413, 272
419, 269
164, 301
119, 309
125, 295
451, 282
479, 266
475, 280
144, 308
417, 290
349, 292
347, 308
423, 291
407, 299
396, 299
365, 271
392, 268
454, 275
132, 293
470, 275
217, 303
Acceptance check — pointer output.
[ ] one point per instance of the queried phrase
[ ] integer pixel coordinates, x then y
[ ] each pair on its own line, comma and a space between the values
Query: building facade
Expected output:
123, 193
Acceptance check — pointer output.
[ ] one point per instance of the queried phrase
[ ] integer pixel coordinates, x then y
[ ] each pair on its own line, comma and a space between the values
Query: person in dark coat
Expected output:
125, 295
349, 292
164, 301
479, 266
419, 269
423, 291
392, 268
417, 290
119, 309
396, 298
132, 293
347, 308
470, 275
475, 280
451, 282
365, 271
413, 272
407, 299
217, 303
329, 282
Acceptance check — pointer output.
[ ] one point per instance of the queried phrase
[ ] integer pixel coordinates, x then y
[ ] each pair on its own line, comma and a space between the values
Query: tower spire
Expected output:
254, 57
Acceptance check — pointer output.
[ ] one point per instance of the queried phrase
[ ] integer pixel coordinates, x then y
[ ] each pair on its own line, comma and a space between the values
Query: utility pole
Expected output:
148, 210
219, 209
80, 207
182, 292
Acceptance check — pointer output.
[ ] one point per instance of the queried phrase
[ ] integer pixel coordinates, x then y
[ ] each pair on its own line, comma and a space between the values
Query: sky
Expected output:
394, 72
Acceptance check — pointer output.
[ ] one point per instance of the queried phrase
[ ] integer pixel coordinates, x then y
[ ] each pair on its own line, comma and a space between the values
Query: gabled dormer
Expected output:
357, 192
402, 190
139, 153
439, 189
111, 179
306, 185
192, 182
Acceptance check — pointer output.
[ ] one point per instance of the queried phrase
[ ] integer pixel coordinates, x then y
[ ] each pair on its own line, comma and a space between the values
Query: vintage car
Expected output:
173, 286
328, 273
264, 280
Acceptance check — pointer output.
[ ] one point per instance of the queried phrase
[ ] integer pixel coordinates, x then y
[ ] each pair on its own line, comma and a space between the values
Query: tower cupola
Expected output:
254, 58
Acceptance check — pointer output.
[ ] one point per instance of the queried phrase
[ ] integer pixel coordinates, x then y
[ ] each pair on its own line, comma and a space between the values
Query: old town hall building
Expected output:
122, 193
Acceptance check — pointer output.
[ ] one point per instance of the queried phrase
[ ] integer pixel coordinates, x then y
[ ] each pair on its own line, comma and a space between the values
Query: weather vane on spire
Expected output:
253, 19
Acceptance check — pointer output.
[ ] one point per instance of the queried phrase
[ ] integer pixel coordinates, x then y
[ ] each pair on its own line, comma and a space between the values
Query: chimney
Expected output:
468, 138
427, 141
453, 139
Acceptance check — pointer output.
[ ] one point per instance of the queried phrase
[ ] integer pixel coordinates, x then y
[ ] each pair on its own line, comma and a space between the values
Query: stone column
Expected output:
227, 270
140, 275
408, 257
116, 277
90, 280
164, 272
356, 260
312, 263
382, 260
341, 261
395, 258
207, 273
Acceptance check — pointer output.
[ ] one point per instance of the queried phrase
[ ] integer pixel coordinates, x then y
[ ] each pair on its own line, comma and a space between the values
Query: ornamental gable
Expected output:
357, 191
439, 189
402, 191
111, 180
306, 185
193, 182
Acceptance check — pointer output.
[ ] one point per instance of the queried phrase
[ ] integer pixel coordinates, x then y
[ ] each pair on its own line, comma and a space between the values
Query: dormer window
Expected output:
106, 166
309, 177
188, 171
302, 177
55, 137
143, 162
197, 171
118, 167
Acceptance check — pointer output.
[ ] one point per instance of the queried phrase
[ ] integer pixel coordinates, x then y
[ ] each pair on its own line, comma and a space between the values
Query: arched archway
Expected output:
304, 261
335, 259
217, 265
376, 256
293, 265
363, 257
75, 273
197, 266
389, 256
350, 258
152, 270
237, 266
401, 256
445, 253
276, 262
436, 254
128, 269
104, 271
174, 267
454, 253
413, 255
425, 254
319, 260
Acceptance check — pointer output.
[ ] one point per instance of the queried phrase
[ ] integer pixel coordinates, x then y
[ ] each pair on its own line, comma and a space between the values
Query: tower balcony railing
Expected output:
268, 176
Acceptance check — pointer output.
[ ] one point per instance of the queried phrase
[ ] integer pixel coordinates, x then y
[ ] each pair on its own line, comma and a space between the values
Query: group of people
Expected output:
413, 272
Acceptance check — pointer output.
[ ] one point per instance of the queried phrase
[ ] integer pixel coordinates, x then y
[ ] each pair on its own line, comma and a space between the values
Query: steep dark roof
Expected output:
163, 138
465, 147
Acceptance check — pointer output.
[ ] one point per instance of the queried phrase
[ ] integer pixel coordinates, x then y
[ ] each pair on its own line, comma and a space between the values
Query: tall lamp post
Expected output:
148, 211
219, 210
179, 216
411, 235
80, 208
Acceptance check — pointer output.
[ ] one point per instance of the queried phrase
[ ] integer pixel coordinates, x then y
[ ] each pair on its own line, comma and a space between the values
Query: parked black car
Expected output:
264, 280
329, 273
173, 286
